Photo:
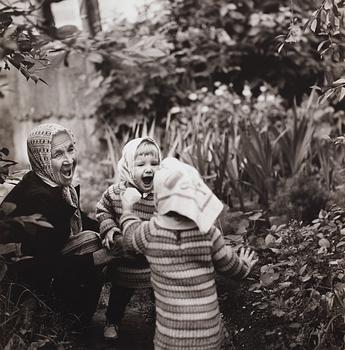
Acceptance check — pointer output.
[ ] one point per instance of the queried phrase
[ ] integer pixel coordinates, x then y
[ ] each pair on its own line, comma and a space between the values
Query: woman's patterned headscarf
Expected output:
39, 146
126, 163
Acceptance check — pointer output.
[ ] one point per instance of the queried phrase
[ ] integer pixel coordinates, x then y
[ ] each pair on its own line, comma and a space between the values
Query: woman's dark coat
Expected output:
33, 196
68, 274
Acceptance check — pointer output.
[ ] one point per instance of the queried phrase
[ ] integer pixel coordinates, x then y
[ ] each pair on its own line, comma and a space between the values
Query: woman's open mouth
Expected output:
67, 173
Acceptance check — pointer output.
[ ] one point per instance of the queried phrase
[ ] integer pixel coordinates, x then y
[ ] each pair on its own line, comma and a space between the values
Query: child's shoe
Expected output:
111, 331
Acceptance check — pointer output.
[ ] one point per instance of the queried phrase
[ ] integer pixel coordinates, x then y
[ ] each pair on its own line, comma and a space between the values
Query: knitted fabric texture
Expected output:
183, 264
130, 273
39, 145
126, 163
176, 183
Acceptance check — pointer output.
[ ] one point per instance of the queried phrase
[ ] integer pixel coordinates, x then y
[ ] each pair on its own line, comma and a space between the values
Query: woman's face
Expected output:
64, 158
145, 166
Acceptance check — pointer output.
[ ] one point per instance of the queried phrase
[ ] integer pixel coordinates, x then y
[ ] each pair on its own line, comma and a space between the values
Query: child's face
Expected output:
145, 166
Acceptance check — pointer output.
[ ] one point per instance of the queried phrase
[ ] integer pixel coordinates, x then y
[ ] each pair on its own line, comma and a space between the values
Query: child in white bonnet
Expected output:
184, 249
140, 158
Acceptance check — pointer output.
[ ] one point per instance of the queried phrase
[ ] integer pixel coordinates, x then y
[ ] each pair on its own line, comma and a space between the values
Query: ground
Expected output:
137, 328
245, 324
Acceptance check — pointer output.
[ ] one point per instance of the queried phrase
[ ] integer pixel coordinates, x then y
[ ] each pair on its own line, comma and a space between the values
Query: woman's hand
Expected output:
247, 256
129, 197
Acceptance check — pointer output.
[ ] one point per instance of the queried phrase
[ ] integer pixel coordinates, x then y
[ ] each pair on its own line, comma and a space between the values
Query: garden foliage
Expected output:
302, 283
251, 150
225, 86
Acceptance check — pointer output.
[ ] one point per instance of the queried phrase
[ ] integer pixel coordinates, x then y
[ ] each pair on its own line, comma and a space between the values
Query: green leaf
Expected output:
324, 243
342, 94
270, 240
255, 216
36, 219
322, 44
313, 25
322, 214
95, 57
242, 227
278, 313
152, 53
8, 248
340, 81
67, 31
267, 278
327, 5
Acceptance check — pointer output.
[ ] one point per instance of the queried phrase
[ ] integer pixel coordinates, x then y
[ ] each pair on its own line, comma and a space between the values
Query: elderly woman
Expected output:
63, 263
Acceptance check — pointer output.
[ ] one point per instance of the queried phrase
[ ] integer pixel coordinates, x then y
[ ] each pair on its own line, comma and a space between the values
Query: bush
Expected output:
302, 283
300, 198
28, 322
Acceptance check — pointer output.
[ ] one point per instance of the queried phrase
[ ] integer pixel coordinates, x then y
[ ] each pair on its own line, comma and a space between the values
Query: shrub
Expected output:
301, 198
28, 322
303, 283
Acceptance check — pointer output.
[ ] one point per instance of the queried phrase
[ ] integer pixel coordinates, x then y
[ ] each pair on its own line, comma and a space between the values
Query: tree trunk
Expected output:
90, 16
44, 17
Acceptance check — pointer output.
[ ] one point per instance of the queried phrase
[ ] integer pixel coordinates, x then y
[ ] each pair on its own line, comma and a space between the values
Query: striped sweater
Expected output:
129, 273
183, 265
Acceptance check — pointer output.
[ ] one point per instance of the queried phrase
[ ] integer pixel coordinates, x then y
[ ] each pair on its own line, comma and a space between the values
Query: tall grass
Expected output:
295, 141
258, 159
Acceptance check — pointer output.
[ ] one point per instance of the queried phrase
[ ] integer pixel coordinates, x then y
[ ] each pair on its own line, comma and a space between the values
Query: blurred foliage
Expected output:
300, 197
144, 69
236, 42
192, 44
326, 24
202, 43
20, 44
30, 47
5, 164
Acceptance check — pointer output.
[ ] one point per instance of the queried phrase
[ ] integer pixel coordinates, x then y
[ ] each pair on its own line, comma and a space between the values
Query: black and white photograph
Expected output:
172, 175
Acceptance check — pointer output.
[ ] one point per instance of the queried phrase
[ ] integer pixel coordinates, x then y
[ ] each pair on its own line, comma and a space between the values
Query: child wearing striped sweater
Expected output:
184, 250
140, 158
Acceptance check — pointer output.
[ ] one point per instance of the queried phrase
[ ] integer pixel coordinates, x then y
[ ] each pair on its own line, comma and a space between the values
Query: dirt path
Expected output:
246, 325
136, 331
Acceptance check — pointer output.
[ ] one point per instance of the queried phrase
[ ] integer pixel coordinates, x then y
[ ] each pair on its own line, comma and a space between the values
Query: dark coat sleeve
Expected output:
88, 223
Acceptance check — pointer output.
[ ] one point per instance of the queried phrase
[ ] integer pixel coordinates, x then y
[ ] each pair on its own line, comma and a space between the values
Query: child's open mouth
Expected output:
147, 180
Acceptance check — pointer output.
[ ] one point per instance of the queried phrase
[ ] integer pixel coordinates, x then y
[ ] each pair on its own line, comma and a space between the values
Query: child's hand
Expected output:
247, 255
109, 240
129, 198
